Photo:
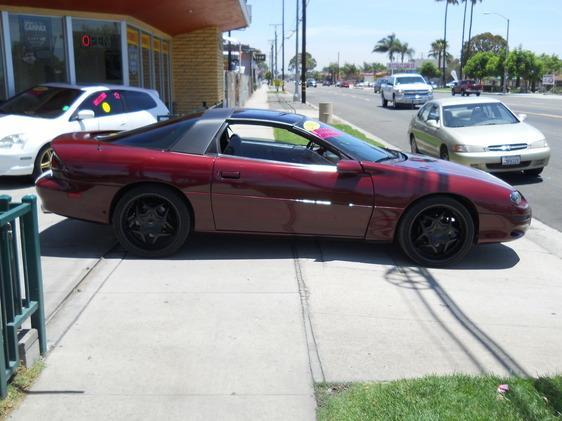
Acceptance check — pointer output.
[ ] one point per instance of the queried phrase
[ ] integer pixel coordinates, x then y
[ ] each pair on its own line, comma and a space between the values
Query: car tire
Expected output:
436, 231
151, 221
413, 144
384, 101
42, 161
444, 153
453, 92
477, 93
533, 172
394, 104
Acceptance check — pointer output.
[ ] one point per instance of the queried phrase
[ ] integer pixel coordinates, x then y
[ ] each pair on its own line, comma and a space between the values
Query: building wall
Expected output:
198, 74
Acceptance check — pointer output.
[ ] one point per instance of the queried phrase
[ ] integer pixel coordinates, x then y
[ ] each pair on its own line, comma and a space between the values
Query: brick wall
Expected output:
198, 69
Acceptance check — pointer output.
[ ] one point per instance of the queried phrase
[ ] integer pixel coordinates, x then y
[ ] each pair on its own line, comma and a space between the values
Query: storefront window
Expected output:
146, 64
2, 74
157, 65
37, 50
97, 51
166, 73
134, 56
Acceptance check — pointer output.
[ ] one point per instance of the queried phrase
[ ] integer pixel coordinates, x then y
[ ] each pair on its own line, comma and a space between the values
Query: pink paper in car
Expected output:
99, 99
326, 133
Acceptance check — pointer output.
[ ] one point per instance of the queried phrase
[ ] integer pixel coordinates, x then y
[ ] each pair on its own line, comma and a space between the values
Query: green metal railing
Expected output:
21, 283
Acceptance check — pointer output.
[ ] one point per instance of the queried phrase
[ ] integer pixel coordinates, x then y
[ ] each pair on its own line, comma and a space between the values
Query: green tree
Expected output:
484, 42
389, 45
438, 47
525, 65
551, 63
332, 70
310, 62
478, 66
379, 67
350, 71
430, 70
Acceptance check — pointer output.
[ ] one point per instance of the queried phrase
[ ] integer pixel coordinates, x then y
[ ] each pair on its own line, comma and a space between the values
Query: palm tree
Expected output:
472, 3
405, 50
447, 2
438, 47
462, 41
389, 45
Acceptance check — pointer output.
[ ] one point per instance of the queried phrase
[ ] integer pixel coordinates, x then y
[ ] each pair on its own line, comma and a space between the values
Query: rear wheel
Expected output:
453, 92
151, 221
534, 171
42, 161
437, 231
444, 153
477, 93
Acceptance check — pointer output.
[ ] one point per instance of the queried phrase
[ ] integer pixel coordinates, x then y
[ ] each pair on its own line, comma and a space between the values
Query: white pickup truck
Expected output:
406, 88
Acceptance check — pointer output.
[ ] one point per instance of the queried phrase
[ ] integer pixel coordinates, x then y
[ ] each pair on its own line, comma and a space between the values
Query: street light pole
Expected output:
506, 49
296, 95
283, 46
303, 75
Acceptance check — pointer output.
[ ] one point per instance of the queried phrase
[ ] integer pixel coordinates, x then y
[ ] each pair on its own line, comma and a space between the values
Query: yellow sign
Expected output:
145, 41
311, 125
132, 36
106, 107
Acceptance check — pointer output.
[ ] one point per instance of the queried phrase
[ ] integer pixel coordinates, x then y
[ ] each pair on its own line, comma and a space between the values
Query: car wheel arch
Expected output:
463, 200
131, 186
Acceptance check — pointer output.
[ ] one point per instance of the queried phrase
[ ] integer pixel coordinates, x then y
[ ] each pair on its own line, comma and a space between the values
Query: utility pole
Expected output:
229, 53
283, 46
296, 95
276, 62
271, 62
303, 75
338, 76
506, 49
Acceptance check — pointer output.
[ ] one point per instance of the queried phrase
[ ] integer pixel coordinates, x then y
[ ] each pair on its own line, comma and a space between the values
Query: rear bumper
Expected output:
492, 161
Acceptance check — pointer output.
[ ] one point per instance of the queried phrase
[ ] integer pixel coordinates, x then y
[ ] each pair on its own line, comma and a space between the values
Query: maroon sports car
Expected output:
222, 171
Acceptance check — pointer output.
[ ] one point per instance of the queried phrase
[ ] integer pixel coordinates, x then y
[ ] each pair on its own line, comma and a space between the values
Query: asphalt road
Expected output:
363, 108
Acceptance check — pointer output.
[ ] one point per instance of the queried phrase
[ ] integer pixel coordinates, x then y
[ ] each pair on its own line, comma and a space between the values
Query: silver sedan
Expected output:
479, 132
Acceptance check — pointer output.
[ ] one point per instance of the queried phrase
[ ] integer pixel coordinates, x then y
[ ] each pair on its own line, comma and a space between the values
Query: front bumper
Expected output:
492, 161
413, 99
15, 164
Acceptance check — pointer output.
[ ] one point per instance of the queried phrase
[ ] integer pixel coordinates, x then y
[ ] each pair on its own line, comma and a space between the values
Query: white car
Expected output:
480, 132
31, 119
406, 88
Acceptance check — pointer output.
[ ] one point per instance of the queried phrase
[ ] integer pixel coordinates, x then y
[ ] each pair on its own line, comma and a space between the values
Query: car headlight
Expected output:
515, 197
467, 148
400, 91
14, 140
538, 144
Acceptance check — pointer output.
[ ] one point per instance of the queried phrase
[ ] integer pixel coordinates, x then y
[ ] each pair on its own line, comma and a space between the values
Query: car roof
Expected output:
469, 100
99, 87
267, 115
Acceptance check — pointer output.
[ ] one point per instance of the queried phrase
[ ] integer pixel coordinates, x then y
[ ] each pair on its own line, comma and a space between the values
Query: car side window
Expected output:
138, 101
423, 112
433, 113
274, 144
104, 103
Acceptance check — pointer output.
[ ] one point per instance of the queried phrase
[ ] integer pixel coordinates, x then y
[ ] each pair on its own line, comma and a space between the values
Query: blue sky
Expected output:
353, 27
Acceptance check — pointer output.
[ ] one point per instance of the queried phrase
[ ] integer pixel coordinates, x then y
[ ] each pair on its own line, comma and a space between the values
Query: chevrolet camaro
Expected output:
275, 173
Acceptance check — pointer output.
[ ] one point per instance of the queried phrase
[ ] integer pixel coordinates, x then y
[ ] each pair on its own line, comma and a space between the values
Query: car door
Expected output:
429, 134
261, 187
420, 130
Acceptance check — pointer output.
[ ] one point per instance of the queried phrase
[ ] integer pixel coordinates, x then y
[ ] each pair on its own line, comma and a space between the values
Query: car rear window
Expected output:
159, 136
138, 101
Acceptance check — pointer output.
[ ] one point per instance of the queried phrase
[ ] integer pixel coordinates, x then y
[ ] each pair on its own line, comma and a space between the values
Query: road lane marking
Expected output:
541, 114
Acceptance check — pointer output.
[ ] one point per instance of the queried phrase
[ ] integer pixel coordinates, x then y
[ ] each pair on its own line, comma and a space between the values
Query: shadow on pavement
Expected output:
520, 179
76, 239
11, 183
420, 279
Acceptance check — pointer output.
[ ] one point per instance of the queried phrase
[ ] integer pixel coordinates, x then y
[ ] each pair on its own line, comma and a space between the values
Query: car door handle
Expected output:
230, 174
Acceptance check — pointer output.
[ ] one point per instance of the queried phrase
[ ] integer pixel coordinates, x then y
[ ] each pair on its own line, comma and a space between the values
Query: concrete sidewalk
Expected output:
240, 328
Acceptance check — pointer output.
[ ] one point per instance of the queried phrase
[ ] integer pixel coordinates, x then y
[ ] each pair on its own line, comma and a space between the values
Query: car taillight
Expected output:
56, 163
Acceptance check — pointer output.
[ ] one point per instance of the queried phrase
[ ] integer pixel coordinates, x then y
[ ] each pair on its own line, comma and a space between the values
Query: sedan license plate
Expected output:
511, 160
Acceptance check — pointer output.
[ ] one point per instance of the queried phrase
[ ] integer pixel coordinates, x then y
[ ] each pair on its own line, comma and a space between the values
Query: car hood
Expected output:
412, 86
14, 124
495, 135
447, 168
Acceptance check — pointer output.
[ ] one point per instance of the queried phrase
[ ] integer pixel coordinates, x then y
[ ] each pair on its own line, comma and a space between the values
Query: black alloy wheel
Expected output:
437, 231
151, 221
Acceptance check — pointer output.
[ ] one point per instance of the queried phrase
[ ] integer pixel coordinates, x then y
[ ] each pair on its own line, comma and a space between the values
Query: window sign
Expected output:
146, 62
2, 74
37, 50
134, 56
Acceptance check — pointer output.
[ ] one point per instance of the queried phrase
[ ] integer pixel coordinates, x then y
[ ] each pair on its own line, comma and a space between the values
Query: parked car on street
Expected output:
452, 83
467, 87
479, 132
31, 119
378, 84
311, 83
326, 82
406, 88
210, 173
345, 84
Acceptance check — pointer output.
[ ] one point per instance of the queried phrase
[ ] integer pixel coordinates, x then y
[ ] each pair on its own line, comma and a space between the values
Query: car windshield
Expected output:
41, 101
350, 145
409, 79
483, 114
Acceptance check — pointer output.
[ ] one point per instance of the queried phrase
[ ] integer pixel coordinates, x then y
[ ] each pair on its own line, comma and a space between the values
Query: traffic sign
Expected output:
548, 80
259, 57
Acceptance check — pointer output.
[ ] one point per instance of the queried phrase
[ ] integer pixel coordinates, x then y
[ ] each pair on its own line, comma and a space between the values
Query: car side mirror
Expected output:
433, 123
522, 117
349, 166
84, 115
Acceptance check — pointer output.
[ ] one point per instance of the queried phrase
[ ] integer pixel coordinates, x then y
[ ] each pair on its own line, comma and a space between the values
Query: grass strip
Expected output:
456, 397
17, 388
282, 135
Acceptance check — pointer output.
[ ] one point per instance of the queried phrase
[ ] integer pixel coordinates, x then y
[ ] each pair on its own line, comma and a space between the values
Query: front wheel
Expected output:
42, 161
413, 145
151, 221
436, 231
394, 103
384, 101
477, 93
453, 92
444, 153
